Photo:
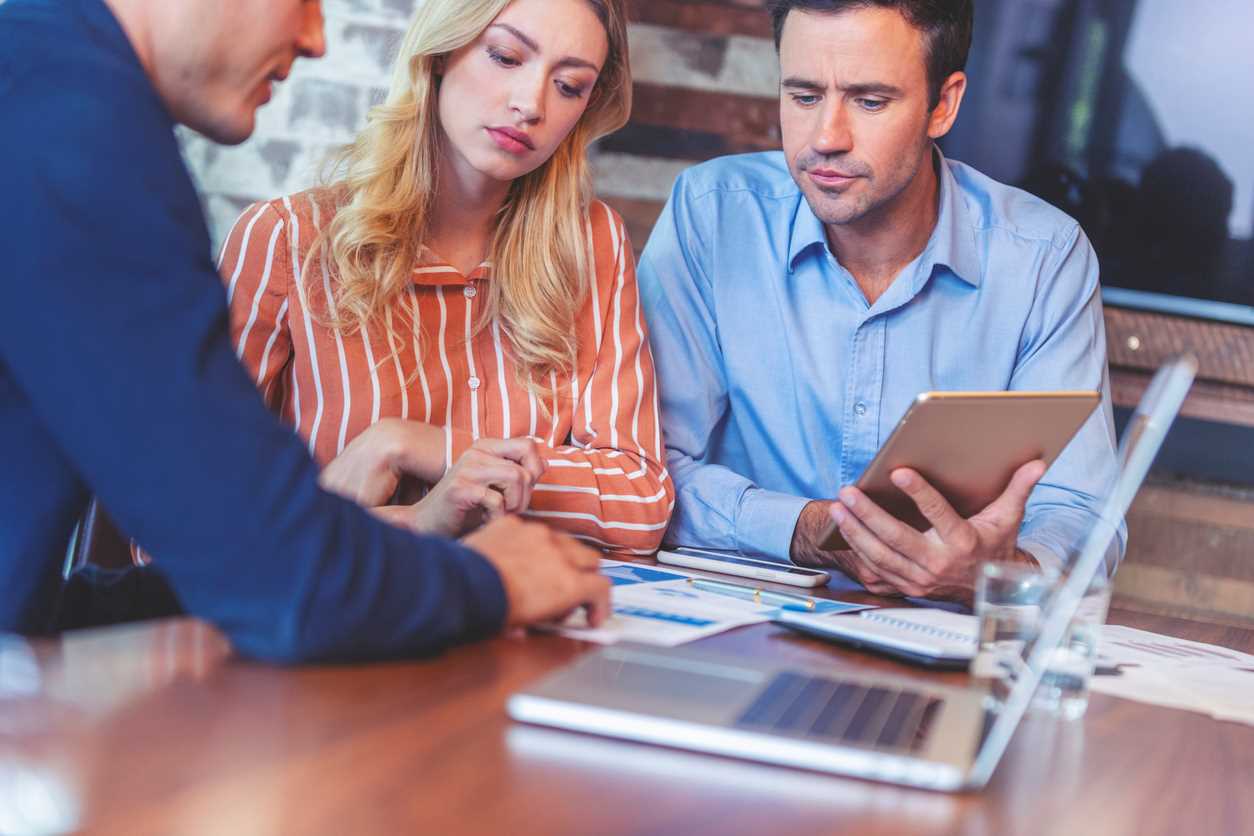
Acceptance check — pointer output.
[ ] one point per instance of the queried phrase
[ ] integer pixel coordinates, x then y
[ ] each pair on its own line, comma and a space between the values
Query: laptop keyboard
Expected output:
817, 707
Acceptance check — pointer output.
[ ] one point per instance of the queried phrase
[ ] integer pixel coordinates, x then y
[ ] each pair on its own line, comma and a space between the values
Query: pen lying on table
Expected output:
754, 594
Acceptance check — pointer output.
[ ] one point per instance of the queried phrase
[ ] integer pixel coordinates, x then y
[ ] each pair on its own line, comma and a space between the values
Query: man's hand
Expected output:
807, 551
546, 574
942, 562
493, 478
370, 468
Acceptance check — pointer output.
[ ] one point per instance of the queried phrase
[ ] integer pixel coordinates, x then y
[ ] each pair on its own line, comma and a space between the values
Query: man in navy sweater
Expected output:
117, 377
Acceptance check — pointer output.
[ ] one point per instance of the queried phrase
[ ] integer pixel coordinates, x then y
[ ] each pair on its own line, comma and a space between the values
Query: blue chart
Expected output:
657, 615
625, 575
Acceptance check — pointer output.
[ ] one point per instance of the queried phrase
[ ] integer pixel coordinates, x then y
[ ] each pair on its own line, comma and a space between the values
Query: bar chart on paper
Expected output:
627, 574
659, 615
655, 606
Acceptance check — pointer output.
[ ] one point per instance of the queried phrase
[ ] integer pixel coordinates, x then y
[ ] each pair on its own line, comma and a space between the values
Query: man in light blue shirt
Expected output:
799, 301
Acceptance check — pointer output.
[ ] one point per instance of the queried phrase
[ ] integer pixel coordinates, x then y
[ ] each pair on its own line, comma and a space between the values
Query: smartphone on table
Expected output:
730, 563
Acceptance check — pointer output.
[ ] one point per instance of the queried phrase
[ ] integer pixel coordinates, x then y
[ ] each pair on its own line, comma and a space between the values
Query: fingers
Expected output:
906, 576
1009, 506
597, 599
481, 469
578, 555
522, 451
929, 501
511, 464
891, 531
589, 588
594, 588
492, 503
544, 573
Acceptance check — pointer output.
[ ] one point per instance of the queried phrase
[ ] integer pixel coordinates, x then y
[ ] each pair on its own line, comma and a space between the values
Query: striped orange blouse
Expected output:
598, 427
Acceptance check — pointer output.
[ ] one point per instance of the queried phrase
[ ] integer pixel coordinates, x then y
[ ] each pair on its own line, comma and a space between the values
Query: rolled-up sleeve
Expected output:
1064, 346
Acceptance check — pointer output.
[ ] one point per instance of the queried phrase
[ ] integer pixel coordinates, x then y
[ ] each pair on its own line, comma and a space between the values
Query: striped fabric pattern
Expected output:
598, 426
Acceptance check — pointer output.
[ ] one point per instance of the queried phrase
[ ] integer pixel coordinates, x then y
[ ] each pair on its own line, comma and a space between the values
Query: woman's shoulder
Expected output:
309, 209
275, 233
611, 242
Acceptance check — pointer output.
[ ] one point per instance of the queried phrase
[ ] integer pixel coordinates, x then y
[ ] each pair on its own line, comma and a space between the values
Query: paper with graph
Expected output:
1177, 673
659, 606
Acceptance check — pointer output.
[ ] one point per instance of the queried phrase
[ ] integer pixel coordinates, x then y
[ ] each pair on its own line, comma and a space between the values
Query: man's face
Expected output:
854, 110
214, 65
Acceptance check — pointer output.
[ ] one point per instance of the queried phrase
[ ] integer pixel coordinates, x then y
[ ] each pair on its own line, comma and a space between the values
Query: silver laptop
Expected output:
836, 718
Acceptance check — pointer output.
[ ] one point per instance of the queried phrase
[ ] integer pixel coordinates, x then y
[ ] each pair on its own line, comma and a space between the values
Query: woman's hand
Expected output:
493, 478
370, 468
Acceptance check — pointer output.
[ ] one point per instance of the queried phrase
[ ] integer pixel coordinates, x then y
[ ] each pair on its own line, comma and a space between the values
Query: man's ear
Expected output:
946, 111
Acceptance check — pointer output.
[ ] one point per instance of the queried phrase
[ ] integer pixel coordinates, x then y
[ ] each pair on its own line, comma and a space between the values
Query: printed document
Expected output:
659, 606
1176, 673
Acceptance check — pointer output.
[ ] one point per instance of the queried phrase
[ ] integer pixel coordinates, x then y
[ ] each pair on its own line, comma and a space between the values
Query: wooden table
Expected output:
157, 728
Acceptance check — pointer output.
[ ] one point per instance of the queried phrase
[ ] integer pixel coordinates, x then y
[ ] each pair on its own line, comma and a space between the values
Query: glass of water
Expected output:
1010, 601
1064, 687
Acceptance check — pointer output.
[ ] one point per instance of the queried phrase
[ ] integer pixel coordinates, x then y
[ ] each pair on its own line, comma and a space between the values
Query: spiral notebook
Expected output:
917, 634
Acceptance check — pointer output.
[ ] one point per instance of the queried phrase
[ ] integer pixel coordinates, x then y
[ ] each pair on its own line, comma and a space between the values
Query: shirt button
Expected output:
469, 291
859, 408
474, 383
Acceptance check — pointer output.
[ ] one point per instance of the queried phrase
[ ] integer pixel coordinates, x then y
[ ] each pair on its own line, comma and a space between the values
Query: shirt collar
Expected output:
807, 231
952, 244
433, 270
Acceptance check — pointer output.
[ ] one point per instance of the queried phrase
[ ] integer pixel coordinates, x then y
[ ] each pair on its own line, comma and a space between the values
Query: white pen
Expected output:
753, 593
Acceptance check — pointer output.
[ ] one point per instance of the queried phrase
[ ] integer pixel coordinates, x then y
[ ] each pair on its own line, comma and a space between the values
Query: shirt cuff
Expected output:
1049, 560
765, 521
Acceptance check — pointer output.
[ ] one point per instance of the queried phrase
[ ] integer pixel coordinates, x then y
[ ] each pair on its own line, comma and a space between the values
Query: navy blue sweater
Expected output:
117, 377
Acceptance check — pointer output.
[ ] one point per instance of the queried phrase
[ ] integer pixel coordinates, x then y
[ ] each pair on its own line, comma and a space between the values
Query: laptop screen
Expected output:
1140, 444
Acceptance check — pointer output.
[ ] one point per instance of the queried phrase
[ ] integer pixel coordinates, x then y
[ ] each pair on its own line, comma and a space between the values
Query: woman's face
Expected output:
508, 99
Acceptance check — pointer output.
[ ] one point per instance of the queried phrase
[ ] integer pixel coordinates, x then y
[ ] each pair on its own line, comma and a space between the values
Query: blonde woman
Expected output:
455, 307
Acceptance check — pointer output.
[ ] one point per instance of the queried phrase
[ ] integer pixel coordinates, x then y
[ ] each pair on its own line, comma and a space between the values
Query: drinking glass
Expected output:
1010, 602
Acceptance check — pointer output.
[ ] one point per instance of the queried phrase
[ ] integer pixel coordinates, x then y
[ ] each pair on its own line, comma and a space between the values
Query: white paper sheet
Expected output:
658, 606
1176, 673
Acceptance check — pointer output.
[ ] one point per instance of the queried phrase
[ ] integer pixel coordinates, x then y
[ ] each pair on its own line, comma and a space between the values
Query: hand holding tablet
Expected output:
948, 491
968, 445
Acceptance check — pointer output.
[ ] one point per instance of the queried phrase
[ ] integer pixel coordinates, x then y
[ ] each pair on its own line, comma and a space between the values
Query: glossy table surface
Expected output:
158, 728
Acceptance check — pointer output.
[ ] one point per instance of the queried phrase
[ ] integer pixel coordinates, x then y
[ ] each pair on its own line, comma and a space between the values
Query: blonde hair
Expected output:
389, 174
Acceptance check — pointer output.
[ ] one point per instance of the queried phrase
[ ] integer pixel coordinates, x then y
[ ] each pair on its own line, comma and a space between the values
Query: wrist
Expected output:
811, 523
417, 449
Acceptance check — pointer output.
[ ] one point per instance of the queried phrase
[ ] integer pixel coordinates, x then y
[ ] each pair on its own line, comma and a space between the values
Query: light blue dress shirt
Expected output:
779, 382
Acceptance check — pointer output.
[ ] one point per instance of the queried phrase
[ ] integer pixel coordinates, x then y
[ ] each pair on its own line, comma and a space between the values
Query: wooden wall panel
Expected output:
709, 18
1143, 340
706, 85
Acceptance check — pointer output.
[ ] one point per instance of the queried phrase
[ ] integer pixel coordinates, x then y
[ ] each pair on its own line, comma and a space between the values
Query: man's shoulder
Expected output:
47, 46
23, 27
996, 206
763, 175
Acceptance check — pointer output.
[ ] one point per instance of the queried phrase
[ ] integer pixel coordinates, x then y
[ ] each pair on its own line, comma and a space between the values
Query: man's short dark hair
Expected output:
946, 25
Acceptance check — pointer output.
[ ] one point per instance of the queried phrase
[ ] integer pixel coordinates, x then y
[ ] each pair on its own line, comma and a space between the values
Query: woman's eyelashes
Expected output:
500, 56
569, 89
